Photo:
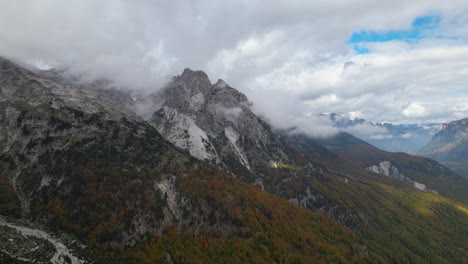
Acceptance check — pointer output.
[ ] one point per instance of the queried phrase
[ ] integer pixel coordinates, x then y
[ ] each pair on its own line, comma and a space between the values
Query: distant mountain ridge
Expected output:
450, 146
409, 138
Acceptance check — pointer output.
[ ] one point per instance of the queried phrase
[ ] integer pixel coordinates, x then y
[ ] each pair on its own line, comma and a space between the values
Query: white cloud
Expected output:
406, 135
354, 114
415, 110
290, 57
368, 131
380, 137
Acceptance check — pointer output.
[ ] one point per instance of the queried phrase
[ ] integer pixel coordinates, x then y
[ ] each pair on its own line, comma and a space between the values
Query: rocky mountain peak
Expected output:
4, 63
187, 92
228, 96
221, 84
10, 70
196, 81
455, 130
213, 122
458, 123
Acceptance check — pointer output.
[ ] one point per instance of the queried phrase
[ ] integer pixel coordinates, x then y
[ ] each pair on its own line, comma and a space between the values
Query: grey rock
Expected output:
388, 169
213, 122
450, 146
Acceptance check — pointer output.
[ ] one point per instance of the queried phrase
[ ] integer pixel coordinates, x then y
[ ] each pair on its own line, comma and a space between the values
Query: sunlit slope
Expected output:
359, 154
396, 221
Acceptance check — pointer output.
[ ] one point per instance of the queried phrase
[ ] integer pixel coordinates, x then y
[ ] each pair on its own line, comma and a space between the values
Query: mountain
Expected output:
214, 123
409, 138
190, 174
450, 146
76, 162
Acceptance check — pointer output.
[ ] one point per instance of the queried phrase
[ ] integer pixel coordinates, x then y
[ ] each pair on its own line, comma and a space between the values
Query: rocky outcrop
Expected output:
388, 169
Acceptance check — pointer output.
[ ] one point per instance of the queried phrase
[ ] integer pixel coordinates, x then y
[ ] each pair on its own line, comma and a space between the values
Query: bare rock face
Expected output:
213, 122
187, 92
450, 146
71, 145
451, 142
388, 169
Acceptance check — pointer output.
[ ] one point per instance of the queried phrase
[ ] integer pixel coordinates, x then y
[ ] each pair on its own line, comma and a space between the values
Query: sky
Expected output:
393, 61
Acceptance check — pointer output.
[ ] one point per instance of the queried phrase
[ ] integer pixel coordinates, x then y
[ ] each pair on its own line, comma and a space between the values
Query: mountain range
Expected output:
450, 146
190, 174
409, 138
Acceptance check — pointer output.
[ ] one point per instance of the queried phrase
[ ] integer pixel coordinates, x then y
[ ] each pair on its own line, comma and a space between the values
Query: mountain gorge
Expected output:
191, 174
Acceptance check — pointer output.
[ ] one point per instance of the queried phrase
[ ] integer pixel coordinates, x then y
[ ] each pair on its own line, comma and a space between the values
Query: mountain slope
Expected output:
76, 161
79, 164
215, 123
221, 128
450, 146
299, 169
422, 170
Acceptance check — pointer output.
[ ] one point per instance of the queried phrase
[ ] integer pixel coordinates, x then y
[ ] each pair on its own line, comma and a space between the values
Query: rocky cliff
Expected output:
450, 146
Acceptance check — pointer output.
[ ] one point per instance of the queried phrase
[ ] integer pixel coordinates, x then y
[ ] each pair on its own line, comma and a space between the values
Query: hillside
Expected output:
299, 168
79, 165
423, 170
200, 178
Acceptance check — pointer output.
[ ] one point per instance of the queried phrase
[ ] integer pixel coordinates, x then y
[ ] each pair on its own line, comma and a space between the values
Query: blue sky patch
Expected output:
458, 92
360, 49
420, 28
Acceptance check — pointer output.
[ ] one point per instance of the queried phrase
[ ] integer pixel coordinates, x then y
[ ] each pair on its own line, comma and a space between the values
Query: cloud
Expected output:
368, 131
415, 110
293, 59
314, 126
421, 27
380, 137
354, 115
406, 135
230, 113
